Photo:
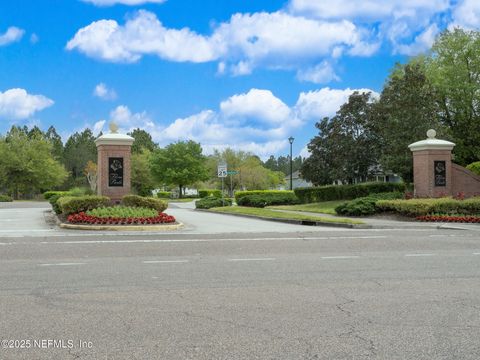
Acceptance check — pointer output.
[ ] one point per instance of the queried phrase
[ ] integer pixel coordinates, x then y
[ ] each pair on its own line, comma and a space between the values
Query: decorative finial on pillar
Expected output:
113, 127
431, 134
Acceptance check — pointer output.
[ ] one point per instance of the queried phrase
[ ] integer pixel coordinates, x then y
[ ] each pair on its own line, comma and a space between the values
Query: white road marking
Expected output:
476, 253
340, 257
62, 264
164, 261
419, 255
80, 242
253, 259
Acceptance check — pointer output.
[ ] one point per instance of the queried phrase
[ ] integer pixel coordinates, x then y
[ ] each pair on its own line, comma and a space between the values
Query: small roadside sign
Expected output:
222, 170
232, 172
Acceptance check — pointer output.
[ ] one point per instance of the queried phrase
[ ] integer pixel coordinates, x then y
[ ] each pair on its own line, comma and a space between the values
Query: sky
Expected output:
245, 74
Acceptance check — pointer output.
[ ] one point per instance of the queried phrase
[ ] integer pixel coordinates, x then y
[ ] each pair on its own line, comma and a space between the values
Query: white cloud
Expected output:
315, 105
141, 35
104, 92
467, 15
98, 126
34, 38
12, 35
422, 42
123, 2
255, 121
275, 40
258, 104
17, 104
321, 73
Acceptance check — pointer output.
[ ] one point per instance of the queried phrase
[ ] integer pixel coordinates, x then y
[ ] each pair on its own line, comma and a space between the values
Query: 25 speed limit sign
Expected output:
222, 170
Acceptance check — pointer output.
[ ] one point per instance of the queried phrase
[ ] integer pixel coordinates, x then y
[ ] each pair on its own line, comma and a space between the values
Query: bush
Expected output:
366, 205
346, 192
211, 202
474, 167
203, 193
5, 198
48, 194
421, 207
71, 204
122, 212
144, 202
164, 194
262, 198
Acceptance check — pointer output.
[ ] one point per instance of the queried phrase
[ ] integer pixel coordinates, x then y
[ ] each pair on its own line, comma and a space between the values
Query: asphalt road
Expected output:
247, 290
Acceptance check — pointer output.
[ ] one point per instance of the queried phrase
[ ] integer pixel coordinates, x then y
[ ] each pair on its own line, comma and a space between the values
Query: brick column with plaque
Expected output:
114, 150
432, 166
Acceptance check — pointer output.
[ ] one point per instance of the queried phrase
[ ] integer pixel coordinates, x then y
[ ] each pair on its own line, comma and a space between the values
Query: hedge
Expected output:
346, 192
48, 194
146, 202
474, 167
262, 198
5, 198
211, 202
75, 204
365, 205
421, 207
164, 194
203, 193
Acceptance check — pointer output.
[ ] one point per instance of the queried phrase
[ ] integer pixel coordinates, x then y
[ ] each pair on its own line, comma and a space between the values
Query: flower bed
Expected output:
450, 218
83, 218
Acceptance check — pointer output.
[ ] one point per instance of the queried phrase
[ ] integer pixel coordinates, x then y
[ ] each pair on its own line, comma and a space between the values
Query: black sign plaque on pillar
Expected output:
440, 173
115, 171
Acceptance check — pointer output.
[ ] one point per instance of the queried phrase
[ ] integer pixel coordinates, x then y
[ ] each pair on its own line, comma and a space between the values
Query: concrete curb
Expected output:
122, 227
295, 222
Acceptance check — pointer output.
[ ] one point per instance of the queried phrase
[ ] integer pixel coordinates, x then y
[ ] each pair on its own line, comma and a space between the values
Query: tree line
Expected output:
440, 90
32, 161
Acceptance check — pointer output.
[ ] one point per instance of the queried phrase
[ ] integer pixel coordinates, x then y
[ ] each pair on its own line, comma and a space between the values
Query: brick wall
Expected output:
464, 181
108, 151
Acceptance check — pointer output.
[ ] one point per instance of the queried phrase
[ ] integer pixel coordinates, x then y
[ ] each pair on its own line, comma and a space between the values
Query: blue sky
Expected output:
245, 74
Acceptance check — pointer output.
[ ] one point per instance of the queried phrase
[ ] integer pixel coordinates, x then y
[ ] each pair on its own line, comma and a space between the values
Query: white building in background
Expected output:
297, 181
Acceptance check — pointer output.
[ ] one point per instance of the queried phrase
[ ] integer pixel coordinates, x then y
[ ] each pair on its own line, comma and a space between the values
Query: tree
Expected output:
283, 164
143, 140
180, 163
454, 71
90, 172
56, 141
346, 148
79, 149
406, 110
27, 165
142, 178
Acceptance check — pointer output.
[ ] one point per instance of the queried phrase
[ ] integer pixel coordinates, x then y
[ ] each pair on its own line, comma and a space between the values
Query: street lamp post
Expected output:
290, 140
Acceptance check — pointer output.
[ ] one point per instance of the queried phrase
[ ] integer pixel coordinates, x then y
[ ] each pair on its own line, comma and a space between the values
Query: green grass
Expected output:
326, 207
272, 214
123, 212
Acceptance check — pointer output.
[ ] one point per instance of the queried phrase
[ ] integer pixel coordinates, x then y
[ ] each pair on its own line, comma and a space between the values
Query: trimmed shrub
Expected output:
164, 194
211, 202
203, 193
5, 198
122, 212
48, 194
262, 200
346, 192
359, 207
421, 207
474, 167
76, 204
53, 200
145, 202
366, 205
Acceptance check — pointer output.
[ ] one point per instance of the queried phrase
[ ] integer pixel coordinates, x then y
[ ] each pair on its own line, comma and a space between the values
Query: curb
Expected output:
122, 227
295, 222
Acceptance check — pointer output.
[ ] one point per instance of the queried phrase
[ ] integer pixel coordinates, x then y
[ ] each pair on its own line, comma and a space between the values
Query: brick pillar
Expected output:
432, 167
114, 166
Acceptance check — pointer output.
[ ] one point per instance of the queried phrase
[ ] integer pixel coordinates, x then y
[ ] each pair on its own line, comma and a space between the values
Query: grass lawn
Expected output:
326, 207
271, 214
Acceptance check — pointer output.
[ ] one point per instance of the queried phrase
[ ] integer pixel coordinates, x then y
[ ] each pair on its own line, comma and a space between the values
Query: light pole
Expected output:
290, 140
